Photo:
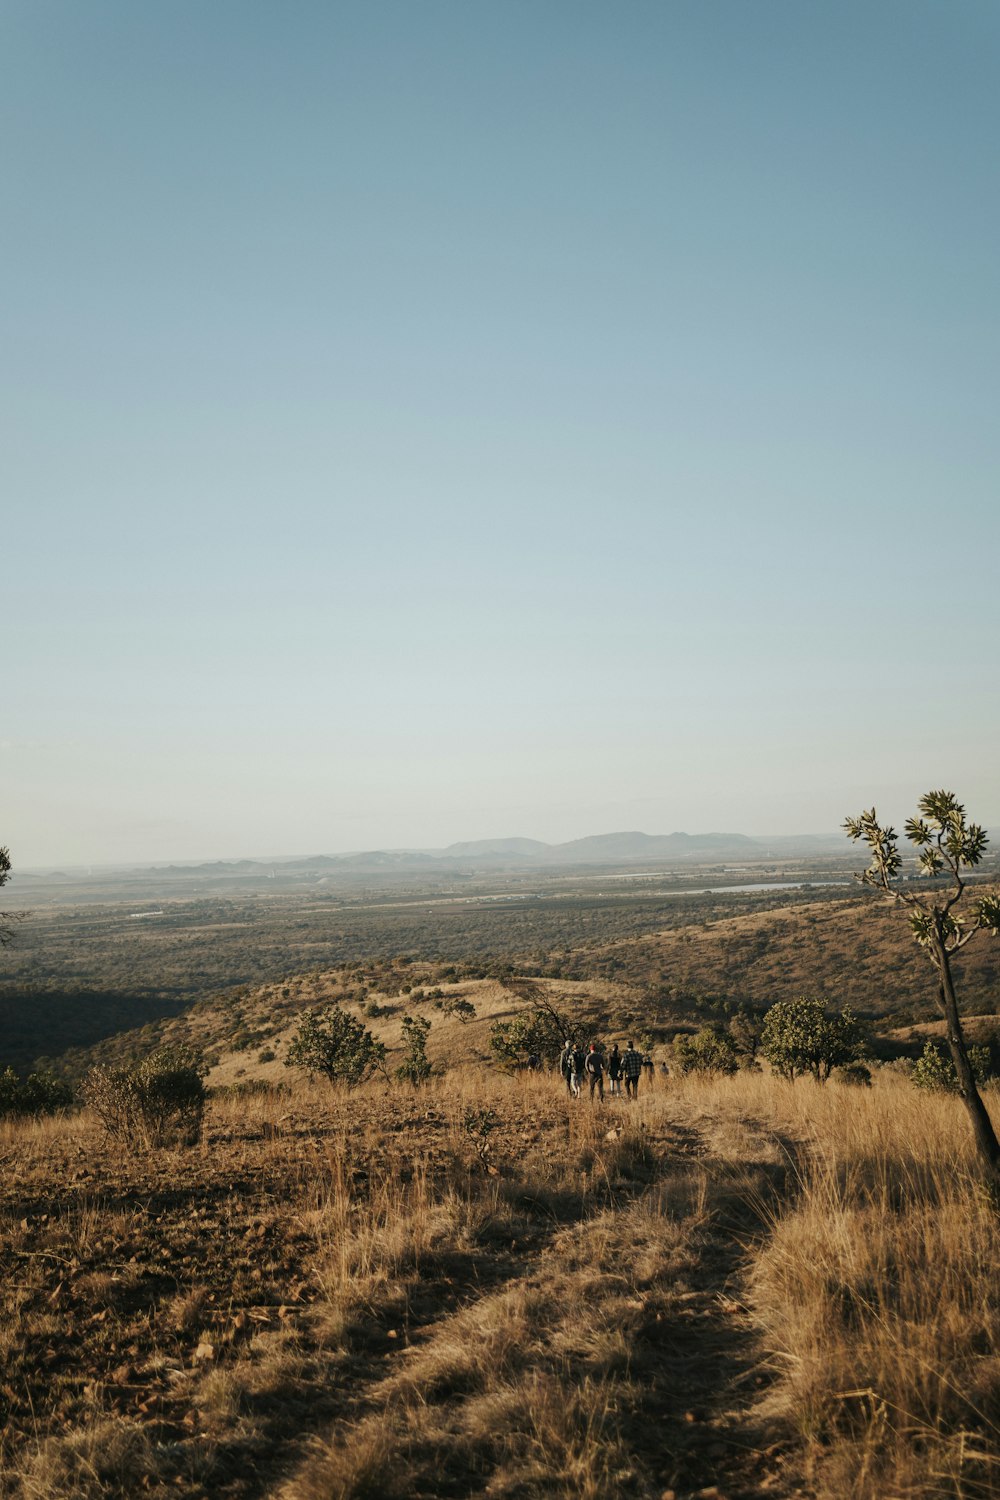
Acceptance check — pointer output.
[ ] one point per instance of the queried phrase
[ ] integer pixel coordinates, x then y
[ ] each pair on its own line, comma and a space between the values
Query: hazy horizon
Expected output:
424, 422
835, 836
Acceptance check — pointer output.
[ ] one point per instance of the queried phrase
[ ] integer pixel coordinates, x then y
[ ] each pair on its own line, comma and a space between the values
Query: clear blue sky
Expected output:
432, 421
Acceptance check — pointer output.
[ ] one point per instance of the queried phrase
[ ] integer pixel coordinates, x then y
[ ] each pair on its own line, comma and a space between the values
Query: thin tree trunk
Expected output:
982, 1126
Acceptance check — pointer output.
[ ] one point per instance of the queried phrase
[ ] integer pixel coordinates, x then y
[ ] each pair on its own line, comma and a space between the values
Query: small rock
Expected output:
204, 1352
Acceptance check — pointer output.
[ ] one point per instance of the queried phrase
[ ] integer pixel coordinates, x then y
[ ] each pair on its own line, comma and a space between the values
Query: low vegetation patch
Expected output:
159, 1102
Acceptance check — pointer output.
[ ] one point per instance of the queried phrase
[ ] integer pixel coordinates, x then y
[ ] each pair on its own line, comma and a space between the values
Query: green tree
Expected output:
799, 1036
457, 1005
710, 1050
943, 921
415, 1067
539, 1030
745, 1029
336, 1045
532, 1033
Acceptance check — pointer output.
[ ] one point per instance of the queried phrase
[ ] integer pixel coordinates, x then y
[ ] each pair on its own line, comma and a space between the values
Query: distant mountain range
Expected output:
601, 849
641, 848
513, 853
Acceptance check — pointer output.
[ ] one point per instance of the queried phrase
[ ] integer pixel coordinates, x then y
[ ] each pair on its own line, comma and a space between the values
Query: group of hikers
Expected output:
579, 1066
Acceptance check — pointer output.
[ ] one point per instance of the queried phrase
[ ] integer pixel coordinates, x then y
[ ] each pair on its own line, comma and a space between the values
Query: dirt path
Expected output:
636, 1299
325, 1302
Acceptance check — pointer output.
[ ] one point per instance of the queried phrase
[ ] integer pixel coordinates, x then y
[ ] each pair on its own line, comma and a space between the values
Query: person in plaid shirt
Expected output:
631, 1068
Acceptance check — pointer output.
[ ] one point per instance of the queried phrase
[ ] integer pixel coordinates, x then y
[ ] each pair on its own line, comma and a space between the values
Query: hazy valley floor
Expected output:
740, 1289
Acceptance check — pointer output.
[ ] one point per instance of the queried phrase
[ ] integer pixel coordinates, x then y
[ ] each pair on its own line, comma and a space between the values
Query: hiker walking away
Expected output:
647, 1067
615, 1072
579, 1060
595, 1072
631, 1068
566, 1065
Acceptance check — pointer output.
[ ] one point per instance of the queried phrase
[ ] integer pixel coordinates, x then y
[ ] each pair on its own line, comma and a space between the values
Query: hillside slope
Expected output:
854, 952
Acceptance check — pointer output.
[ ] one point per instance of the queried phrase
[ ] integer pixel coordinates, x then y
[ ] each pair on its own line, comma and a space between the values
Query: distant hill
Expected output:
604, 848
477, 848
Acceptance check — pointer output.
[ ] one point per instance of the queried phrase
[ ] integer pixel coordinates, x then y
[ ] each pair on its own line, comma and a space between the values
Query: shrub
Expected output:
415, 1067
336, 1045
854, 1074
457, 1005
159, 1102
480, 1125
38, 1094
934, 1068
710, 1050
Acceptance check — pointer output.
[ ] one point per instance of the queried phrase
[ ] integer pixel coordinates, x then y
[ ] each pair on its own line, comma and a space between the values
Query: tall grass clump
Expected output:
879, 1291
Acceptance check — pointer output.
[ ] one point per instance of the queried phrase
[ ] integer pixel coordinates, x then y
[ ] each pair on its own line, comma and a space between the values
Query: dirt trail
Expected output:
590, 1294
568, 1317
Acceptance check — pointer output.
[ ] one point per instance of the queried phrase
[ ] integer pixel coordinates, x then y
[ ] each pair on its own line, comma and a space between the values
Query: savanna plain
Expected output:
735, 1285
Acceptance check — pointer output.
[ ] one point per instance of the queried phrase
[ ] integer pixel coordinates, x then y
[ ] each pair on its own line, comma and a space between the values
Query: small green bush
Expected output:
159, 1102
39, 1094
710, 1050
934, 1068
415, 1067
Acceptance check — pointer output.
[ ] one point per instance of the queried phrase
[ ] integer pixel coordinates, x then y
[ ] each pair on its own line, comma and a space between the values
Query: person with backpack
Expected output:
595, 1072
615, 1072
631, 1068
566, 1065
578, 1062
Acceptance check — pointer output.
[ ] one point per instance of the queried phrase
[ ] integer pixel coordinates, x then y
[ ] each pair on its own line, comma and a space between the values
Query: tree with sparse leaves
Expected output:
539, 1031
943, 921
336, 1045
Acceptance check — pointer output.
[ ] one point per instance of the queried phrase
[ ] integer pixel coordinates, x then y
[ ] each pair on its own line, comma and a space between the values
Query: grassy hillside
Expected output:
855, 951
741, 1289
245, 1035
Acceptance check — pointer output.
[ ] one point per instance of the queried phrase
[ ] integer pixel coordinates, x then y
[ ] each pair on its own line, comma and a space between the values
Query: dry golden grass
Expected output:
772, 1290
